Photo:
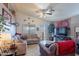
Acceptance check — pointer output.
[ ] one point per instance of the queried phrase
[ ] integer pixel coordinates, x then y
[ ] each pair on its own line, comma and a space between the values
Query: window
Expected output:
29, 29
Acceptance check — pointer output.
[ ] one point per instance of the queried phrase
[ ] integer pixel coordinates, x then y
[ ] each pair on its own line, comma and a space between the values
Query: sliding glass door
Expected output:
29, 29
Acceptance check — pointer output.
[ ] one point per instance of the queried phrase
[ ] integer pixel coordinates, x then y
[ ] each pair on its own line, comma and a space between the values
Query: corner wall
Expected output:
74, 22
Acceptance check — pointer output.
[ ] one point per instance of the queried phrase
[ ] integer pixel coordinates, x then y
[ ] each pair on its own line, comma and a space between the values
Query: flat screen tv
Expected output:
62, 31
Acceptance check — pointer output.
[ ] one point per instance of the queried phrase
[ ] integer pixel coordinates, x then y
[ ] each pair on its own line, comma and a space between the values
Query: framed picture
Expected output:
0, 11
6, 15
77, 29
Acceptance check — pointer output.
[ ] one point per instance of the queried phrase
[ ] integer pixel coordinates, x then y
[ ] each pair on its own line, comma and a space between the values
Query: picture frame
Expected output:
6, 15
76, 29
0, 11
77, 32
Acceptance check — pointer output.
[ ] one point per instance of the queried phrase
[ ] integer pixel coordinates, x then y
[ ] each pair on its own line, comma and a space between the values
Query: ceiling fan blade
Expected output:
49, 13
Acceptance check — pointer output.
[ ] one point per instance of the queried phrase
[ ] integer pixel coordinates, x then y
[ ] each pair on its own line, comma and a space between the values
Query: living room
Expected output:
39, 29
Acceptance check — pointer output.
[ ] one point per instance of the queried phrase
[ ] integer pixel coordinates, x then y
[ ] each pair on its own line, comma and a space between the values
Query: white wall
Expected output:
74, 22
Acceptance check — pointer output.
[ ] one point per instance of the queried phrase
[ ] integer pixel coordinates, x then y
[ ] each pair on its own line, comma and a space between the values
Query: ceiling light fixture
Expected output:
45, 12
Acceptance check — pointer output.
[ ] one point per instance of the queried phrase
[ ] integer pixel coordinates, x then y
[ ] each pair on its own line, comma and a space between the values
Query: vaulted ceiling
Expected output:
62, 10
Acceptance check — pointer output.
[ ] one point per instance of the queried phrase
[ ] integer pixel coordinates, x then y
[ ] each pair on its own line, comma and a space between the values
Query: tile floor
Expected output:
33, 50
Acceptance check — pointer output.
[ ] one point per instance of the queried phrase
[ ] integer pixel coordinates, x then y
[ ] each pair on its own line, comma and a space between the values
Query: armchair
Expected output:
61, 48
47, 51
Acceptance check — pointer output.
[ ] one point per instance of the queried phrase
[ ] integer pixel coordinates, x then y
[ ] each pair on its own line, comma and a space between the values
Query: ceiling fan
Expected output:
46, 11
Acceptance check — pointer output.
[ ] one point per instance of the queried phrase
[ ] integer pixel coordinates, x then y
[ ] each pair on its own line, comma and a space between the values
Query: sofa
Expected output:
31, 39
12, 47
61, 48
21, 49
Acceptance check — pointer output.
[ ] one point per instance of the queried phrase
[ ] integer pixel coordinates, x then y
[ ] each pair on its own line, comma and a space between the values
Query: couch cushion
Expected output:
53, 49
66, 47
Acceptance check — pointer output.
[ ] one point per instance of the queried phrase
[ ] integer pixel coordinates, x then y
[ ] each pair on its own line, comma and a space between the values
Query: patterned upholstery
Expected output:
53, 49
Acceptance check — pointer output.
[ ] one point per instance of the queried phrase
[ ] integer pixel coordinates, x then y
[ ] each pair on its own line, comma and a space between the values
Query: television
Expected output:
62, 31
